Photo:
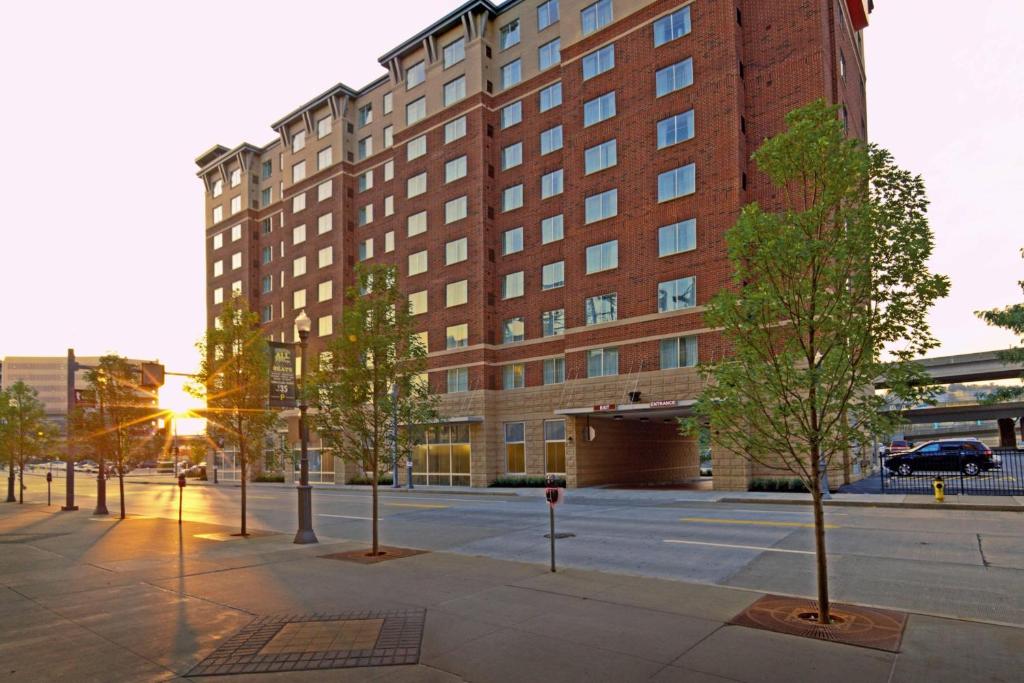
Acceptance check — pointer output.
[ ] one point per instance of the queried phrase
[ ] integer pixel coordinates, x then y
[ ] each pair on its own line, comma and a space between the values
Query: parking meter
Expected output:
49, 478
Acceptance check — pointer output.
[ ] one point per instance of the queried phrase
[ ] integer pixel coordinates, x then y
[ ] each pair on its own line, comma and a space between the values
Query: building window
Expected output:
387, 103
389, 137
298, 299
416, 185
455, 169
218, 268
551, 97
458, 380
599, 109
298, 234
675, 129
553, 275
552, 323
267, 255
511, 156
509, 34
552, 229
513, 330
603, 256
299, 202
677, 294
842, 63
600, 157
389, 170
456, 210
677, 238
416, 224
554, 371
366, 249
455, 251
512, 241
456, 293
680, 352
417, 263
266, 196
365, 115
454, 52
554, 431
298, 141
675, 77
365, 214
551, 184
364, 181
602, 362
547, 14
324, 325
418, 303
454, 90
389, 205
596, 16
265, 226
218, 295
601, 309
218, 214
236, 233
675, 25
415, 111
416, 148
549, 54
512, 285
515, 447
457, 336
512, 114
513, 376
267, 168
551, 140
415, 74
453, 130
218, 187
600, 206
511, 74
678, 182
218, 240
236, 261
267, 314
299, 171
236, 177
325, 257
299, 267
324, 291
512, 197
236, 205
389, 241
598, 61
323, 128
364, 147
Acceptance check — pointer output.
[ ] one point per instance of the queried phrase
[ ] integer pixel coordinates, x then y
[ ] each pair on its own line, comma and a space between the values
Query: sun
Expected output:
175, 399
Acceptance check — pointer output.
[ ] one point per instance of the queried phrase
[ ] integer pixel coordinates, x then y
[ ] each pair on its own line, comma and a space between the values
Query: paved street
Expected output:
965, 564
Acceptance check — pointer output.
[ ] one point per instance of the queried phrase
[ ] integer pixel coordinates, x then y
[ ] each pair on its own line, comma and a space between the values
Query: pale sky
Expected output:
108, 103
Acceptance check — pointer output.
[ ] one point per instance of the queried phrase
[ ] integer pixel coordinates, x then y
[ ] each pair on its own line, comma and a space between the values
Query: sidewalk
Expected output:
85, 599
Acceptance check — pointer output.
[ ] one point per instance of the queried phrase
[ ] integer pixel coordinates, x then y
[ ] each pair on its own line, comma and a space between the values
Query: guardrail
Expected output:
963, 473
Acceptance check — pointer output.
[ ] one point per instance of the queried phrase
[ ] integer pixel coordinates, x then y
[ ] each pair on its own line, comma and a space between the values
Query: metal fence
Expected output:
957, 469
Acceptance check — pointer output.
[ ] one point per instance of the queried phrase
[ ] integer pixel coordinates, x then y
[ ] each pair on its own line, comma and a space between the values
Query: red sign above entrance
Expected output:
664, 404
604, 406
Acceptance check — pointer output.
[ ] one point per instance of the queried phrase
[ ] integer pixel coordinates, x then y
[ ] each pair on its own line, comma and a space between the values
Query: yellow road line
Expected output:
754, 522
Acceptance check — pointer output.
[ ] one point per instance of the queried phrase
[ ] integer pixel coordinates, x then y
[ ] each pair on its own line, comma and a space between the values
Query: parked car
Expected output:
970, 456
895, 447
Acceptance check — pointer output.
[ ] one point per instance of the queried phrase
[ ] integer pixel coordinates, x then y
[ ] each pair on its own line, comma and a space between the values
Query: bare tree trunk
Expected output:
375, 547
824, 609
21, 484
10, 482
120, 486
241, 454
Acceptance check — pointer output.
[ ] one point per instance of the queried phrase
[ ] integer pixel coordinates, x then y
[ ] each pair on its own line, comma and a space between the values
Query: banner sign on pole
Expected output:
282, 375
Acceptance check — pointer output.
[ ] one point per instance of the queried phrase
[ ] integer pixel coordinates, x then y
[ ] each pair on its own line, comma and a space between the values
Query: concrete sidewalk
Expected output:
100, 599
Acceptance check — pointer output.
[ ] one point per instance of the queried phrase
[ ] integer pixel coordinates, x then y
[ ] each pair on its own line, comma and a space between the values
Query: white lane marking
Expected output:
324, 514
742, 547
783, 512
404, 497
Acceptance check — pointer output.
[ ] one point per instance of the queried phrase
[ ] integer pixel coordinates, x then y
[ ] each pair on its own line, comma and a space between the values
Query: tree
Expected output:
7, 443
27, 432
124, 412
370, 386
1010, 318
234, 378
828, 295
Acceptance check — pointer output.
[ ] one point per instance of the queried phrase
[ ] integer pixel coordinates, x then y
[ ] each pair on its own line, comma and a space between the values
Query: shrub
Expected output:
364, 480
269, 477
793, 485
525, 482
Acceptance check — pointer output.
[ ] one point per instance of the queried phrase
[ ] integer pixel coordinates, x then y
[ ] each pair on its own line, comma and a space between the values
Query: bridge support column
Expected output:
1007, 434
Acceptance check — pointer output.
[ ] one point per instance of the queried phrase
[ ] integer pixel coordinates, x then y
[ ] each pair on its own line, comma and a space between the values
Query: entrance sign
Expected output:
282, 375
664, 404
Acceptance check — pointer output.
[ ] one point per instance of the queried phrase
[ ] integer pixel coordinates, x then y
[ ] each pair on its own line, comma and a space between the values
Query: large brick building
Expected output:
553, 180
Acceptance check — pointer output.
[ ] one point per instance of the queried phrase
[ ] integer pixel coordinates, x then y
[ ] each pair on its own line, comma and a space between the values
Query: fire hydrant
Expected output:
940, 494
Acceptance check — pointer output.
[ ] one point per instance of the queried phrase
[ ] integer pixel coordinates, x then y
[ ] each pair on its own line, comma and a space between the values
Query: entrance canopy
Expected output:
638, 412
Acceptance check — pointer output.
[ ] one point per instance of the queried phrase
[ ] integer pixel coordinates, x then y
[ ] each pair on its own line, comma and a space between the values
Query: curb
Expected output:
879, 504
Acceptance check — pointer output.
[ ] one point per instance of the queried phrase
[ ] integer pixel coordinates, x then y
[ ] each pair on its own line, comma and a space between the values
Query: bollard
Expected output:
939, 486
49, 480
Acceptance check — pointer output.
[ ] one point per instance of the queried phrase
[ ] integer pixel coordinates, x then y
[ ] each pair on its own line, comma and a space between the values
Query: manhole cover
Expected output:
319, 641
854, 625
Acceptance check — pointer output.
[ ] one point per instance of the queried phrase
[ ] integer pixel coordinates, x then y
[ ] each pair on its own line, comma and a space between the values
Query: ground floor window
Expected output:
515, 447
554, 446
321, 465
440, 456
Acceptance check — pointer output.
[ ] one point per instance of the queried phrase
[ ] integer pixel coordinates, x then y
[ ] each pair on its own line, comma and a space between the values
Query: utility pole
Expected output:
69, 482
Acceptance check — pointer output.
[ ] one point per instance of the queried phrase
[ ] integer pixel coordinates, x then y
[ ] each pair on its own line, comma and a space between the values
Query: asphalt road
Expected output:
955, 563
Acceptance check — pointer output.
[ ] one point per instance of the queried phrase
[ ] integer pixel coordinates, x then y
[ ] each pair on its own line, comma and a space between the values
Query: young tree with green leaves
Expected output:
828, 295
27, 432
124, 412
369, 387
234, 379
1009, 318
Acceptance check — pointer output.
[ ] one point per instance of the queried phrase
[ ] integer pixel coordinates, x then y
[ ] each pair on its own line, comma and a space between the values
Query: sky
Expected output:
112, 101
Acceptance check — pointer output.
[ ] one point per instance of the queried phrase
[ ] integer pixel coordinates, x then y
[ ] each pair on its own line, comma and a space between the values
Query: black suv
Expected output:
969, 456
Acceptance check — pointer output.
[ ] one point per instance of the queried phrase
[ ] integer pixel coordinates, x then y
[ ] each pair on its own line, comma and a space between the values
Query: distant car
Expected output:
970, 456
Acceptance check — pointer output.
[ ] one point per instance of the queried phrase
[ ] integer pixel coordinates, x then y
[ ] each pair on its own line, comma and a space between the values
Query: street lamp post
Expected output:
69, 480
10, 474
305, 533
394, 437
101, 476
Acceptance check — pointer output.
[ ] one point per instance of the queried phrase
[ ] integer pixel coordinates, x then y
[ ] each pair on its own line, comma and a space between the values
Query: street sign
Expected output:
152, 375
282, 375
